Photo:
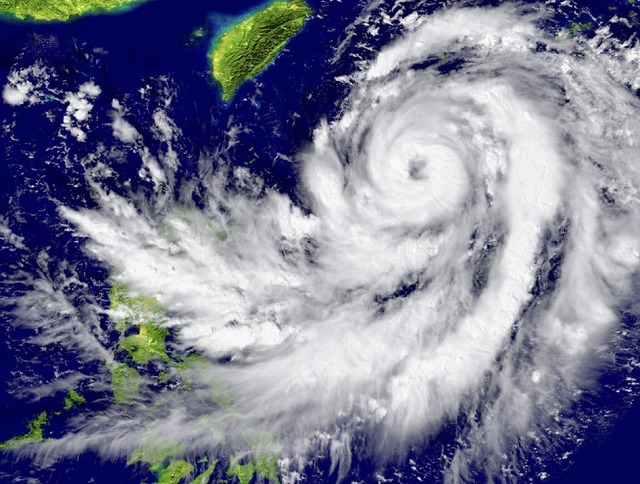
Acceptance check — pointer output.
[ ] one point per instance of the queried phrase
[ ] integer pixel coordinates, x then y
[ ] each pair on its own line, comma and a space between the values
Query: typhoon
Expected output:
461, 250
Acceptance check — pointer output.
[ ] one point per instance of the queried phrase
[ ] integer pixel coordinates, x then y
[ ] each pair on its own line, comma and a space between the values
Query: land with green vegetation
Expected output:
143, 359
146, 344
160, 459
73, 399
175, 472
197, 36
167, 458
205, 476
60, 10
129, 310
143, 340
156, 453
264, 468
573, 30
143, 348
261, 461
33, 435
247, 48
125, 382
166, 462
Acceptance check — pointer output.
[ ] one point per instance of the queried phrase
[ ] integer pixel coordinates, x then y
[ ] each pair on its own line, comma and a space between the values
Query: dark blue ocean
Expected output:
38, 172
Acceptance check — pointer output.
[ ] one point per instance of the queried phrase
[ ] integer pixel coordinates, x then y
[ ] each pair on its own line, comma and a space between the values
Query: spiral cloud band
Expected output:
456, 256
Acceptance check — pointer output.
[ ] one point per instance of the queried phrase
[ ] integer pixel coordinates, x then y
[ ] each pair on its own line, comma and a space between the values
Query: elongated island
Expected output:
248, 47
60, 10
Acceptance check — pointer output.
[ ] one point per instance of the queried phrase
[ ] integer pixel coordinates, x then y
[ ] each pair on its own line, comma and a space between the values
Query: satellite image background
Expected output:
404, 250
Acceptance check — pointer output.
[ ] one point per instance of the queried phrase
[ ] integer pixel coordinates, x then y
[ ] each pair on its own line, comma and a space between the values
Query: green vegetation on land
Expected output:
261, 461
573, 30
247, 48
73, 399
197, 36
156, 454
60, 10
141, 313
243, 472
193, 361
205, 476
198, 33
143, 340
147, 344
267, 468
125, 382
264, 468
175, 472
132, 310
164, 462
34, 434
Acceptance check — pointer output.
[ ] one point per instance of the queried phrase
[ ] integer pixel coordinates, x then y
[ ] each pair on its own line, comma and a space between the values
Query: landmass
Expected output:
205, 476
262, 460
128, 310
143, 358
197, 36
34, 434
247, 48
125, 382
175, 472
146, 344
266, 468
73, 399
165, 462
60, 10
573, 30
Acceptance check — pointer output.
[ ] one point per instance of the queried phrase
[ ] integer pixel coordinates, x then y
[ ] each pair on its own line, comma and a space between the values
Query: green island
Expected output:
262, 460
138, 316
146, 344
125, 382
34, 434
573, 30
73, 399
175, 472
156, 454
159, 458
163, 461
60, 10
142, 340
247, 48
141, 346
263, 467
131, 310
197, 36
205, 476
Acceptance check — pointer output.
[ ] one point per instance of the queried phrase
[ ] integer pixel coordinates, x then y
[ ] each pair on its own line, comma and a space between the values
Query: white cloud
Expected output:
122, 129
15, 96
78, 109
26, 85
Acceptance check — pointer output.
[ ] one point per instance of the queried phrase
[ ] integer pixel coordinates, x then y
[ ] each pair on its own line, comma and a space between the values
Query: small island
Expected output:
59, 10
247, 48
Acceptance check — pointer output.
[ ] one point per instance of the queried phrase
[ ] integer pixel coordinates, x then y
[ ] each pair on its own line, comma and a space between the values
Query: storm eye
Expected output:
417, 169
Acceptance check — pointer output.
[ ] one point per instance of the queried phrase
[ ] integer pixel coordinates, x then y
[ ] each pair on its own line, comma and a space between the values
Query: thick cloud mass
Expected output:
458, 256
